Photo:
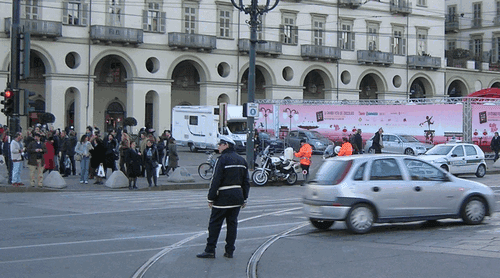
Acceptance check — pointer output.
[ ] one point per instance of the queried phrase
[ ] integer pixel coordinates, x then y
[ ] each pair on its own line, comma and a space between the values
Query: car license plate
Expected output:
315, 210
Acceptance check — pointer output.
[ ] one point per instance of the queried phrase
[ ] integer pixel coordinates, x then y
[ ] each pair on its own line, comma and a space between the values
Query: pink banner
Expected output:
485, 122
431, 123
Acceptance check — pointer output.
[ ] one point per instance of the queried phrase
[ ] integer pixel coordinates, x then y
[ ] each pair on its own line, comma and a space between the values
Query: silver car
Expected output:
399, 144
363, 190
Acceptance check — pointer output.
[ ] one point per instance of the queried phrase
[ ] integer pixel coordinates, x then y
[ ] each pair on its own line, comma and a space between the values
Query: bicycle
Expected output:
206, 169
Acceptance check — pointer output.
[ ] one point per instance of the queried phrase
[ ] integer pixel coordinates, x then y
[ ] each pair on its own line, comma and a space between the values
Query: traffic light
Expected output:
29, 105
8, 102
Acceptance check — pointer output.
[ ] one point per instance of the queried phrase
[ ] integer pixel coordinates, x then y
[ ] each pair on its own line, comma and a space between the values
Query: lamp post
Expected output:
290, 113
254, 10
265, 111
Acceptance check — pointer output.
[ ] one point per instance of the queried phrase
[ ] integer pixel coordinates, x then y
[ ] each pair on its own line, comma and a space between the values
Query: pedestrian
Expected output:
36, 163
173, 157
358, 142
111, 154
48, 157
165, 136
83, 149
97, 158
124, 146
150, 162
346, 148
495, 145
305, 153
378, 144
256, 148
6, 152
228, 193
16, 154
57, 148
133, 161
69, 149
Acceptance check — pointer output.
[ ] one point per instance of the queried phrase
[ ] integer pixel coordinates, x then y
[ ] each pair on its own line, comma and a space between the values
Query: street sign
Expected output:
252, 110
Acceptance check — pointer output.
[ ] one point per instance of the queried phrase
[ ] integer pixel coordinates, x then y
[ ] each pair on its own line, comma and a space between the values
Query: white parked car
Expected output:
457, 158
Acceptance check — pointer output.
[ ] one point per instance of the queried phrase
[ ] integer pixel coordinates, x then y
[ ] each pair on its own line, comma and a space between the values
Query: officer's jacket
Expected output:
305, 154
229, 186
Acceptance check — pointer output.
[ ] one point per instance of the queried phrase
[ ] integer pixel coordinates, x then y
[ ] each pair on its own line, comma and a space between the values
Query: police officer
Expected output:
305, 153
228, 193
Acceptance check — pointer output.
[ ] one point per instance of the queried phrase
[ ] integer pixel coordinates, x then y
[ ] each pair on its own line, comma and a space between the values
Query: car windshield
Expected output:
439, 150
316, 135
264, 135
332, 172
237, 127
408, 138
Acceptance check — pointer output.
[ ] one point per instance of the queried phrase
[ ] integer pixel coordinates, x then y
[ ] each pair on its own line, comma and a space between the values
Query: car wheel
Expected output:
473, 211
192, 148
409, 152
445, 167
481, 171
292, 178
360, 219
259, 177
321, 224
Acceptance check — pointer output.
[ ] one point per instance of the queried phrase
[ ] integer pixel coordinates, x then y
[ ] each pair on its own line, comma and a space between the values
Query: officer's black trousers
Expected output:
216, 218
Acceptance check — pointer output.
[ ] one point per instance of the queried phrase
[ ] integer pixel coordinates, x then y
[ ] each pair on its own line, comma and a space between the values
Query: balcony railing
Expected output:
186, 41
400, 7
477, 22
112, 34
351, 3
451, 23
268, 48
424, 62
375, 57
320, 52
37, 28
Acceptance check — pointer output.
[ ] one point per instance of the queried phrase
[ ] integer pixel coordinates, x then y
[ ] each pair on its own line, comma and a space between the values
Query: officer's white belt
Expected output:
229, 187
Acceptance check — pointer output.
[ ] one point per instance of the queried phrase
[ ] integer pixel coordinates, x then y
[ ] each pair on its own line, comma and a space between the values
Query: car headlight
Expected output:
420, 148
439, 161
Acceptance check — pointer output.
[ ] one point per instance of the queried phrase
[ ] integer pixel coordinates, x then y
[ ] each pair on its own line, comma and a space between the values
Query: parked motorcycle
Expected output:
273, 168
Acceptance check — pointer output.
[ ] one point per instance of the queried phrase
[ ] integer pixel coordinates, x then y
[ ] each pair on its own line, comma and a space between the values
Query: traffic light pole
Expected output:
14, 64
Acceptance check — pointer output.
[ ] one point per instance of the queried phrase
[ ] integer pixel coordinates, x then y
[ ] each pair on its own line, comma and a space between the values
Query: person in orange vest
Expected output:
305, 154
346, 148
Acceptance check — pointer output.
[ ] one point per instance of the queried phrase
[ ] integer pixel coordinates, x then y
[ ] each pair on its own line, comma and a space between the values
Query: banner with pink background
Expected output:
428, 123
485, 122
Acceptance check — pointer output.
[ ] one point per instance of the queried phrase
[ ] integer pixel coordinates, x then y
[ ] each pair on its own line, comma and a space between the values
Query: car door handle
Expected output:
417, 188
376, 189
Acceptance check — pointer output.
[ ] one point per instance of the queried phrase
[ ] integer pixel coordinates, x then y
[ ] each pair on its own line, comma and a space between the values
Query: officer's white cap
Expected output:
226, 139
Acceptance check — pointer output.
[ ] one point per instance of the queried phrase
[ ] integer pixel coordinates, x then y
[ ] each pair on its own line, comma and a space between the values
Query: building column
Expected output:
210, 92
137, 89
56, 87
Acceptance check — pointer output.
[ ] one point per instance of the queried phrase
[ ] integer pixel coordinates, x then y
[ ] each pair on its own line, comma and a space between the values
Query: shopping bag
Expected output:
100, 172
158, 169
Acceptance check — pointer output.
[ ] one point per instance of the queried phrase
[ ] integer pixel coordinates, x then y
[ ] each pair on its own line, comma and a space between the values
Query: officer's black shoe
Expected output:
206, 255
228, 255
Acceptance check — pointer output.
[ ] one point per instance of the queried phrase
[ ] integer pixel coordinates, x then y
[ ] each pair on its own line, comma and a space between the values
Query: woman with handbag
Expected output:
173, 157
150, 159
82, 151
97, 158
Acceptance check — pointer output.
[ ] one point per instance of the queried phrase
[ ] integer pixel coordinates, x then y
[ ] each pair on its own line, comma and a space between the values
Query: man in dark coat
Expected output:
358, 142
495, 145
378, 144
97, 157
228, 193
68, 150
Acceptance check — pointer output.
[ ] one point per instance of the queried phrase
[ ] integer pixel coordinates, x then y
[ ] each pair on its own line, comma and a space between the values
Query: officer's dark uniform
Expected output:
228, 192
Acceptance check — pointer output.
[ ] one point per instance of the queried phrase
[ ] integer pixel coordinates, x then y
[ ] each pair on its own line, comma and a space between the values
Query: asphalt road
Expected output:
158, 234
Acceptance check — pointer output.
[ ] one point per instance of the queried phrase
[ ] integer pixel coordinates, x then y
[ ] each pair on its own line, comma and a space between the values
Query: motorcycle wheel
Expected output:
260, 177
292, 178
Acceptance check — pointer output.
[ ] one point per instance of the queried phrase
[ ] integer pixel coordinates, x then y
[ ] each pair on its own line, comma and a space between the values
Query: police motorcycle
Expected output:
273, 168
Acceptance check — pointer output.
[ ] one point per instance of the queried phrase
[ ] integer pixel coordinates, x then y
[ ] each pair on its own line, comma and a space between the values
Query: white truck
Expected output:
199, 127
